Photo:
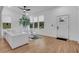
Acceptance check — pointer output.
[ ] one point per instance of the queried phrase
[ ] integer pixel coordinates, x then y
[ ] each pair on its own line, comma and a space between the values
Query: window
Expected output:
35, 19
31, 25
31, 22
41, 18
41, 22
35, 24
41, 25
31, 19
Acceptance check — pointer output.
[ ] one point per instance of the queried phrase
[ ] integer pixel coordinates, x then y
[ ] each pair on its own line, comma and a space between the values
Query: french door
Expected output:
63, 26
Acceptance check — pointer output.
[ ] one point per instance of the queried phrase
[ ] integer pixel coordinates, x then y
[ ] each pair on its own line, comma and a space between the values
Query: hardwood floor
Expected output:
44, 45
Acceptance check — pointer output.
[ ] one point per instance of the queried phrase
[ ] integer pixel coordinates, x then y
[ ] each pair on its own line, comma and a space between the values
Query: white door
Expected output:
63, 26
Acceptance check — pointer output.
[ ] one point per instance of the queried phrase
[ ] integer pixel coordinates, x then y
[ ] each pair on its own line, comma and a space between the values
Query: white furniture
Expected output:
16, 38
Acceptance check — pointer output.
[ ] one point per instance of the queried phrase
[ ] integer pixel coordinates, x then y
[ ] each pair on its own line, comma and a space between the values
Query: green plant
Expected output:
24, 21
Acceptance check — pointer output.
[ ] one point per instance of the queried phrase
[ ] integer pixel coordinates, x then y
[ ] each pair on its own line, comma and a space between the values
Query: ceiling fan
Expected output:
24, 8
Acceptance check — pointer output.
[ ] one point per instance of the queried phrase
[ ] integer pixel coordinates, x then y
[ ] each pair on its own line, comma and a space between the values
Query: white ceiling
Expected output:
34, 9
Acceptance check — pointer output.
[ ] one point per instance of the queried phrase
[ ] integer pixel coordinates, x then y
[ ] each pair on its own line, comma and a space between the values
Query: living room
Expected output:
48, 22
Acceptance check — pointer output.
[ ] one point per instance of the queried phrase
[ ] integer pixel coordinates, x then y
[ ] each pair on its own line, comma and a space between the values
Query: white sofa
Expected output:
16, 37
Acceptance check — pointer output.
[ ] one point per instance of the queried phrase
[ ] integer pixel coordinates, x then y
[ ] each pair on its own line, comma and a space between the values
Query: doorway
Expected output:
63, 27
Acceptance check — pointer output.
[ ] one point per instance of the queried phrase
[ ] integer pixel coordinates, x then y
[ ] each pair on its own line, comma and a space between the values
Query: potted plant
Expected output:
24, 21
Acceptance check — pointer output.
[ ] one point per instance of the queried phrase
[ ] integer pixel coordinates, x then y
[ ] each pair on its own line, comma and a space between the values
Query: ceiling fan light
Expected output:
24, 10
27, 14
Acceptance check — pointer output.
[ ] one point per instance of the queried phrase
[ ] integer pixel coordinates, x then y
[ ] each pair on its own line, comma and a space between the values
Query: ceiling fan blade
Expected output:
21, 8
24, 8
27, 9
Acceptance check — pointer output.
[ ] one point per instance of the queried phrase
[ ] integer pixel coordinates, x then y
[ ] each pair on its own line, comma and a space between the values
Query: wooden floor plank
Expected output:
43, 45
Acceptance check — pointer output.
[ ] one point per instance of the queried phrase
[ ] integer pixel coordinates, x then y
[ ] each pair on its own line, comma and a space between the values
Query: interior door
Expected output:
63, 26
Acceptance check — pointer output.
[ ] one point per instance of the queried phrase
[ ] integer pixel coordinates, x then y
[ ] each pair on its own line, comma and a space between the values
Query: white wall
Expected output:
50, 18
1, 8
10, 15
